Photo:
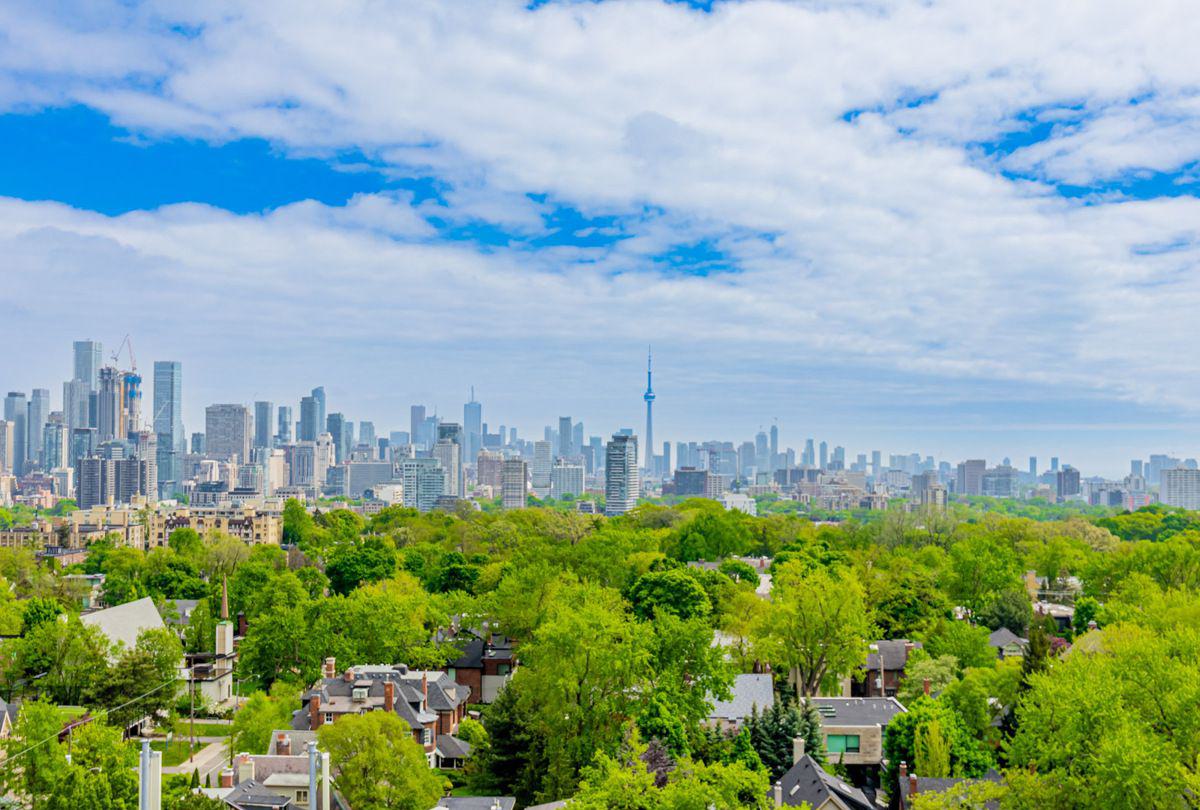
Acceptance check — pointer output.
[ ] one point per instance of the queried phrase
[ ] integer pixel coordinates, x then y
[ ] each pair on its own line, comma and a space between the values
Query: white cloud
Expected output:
893, 244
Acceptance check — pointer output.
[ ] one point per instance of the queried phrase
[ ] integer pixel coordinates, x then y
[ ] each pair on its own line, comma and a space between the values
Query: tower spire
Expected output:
648, 452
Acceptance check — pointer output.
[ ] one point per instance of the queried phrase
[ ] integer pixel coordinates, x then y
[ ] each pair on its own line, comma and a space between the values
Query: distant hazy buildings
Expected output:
513, 482
969, 480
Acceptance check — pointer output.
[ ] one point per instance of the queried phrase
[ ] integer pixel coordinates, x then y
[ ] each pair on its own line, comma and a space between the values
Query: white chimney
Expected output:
797, 749
779, 794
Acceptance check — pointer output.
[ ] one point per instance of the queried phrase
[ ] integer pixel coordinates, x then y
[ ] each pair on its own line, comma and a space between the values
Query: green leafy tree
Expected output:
31, 771
143, 681
1010, 608
939, 672
513, 763
968, 645
674, 591
68, 657
355, 562
378, 765
968, 757
816, 626
187, 543
932, 754
261, 714
37, 611
581, 677
981, 567
740, 572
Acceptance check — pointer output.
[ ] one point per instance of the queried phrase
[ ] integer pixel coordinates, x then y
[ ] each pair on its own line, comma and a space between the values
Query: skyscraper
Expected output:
335, 426
39, 412
565, 437
312, 422
16, 413
264, 413
110, 405
6, 447
228, 431
566, 478
649, 397
621, 483
318, 394
416, 420
449, 456
88, 360
512, 484
366, 433
168, 420
473, 426
824, 450
970, 477
75, 404
283, 428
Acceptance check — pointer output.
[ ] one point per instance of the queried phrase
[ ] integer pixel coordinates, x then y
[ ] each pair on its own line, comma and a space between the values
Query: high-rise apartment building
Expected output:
1180, 487
366, 434
416, 419
16, 413
1067, 482
335, 426
56, 443
264, 420
970, 477
621, 482
539, 472
424, 482
489, 470
76, 399
512, 484
228, 431
566, 478
88, 361
110, 405
7, 432
449, 456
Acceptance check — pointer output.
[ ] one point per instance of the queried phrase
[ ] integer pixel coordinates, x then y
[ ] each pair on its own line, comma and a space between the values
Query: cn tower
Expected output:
649, 397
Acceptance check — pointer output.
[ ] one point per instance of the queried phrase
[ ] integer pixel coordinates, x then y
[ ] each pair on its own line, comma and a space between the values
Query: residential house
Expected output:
485, 665
1008, 644
429, 701
853, 732
476, 803
912, 785
747, 693
807, 783
884, 669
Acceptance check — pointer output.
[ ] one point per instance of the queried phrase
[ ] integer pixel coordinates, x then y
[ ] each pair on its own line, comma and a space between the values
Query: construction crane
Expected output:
116, 356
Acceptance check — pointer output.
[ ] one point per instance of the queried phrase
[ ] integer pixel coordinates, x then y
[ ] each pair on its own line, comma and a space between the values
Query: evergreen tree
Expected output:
932, 750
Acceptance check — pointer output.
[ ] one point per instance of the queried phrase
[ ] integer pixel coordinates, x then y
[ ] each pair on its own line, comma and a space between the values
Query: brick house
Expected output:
430, 702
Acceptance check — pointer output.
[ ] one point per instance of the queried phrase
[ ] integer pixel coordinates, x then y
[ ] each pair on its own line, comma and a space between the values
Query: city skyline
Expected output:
195, 415
968, 245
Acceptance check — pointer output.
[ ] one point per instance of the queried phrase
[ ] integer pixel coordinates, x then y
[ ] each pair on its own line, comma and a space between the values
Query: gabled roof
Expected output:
450, 747
1003, 637
747, 692
477, 802
931, 784
894, 653
124, 623
252, 795
807, 782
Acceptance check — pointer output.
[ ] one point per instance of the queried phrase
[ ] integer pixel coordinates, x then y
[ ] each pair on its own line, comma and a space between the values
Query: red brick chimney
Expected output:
330, 667
389, 696
925, 686
912, 785
424, 689
315, 718
283, 745
903, 769
227, 778
349, 676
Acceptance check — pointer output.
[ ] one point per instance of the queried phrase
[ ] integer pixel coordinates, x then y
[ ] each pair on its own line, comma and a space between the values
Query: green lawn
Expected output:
183, 729
174, 754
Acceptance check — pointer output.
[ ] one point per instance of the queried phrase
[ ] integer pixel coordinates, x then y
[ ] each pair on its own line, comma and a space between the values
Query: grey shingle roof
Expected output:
894, 653
839, 711
1003, 637
931, 784
477, 802
451, 747
807, 782
748, 691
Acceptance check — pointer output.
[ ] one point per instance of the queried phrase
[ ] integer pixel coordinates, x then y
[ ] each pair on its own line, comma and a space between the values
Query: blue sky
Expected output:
938, 227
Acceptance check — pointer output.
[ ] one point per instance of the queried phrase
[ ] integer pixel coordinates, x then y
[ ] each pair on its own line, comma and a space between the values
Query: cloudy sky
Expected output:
958, 228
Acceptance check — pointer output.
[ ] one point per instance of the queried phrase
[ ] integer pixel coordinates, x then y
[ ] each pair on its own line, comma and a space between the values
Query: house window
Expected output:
427, 737
328, 717
503, 669
301, 796
452, 672
842, 744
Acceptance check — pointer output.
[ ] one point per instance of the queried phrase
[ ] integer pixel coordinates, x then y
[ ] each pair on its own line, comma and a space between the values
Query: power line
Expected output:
76, 724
